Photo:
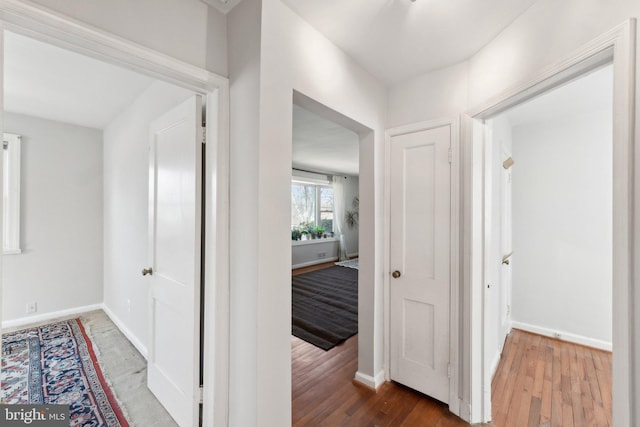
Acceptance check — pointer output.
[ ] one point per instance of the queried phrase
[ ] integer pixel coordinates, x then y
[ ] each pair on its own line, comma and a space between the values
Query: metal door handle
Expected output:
146, 271
396, 274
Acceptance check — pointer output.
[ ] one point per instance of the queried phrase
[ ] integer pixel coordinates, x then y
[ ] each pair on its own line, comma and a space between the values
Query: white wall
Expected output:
440, 93
544, 34
188, 30
61, 219
286, 55
126, 190
244, 27
310, 252
562, 226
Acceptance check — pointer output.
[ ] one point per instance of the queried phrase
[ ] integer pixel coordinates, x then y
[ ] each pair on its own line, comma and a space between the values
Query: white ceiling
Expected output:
400, 39
223, 6
45, 81
589, 93
320, 145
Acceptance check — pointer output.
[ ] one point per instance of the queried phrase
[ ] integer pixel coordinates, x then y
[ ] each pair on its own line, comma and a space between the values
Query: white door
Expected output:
174, 247
505, 245
419, 259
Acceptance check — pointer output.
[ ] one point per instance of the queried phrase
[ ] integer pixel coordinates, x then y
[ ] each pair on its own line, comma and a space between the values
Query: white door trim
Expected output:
454, 324
617, 46
60, 30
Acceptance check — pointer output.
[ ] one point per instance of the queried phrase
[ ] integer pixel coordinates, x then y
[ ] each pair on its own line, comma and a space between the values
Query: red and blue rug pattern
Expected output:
56, 364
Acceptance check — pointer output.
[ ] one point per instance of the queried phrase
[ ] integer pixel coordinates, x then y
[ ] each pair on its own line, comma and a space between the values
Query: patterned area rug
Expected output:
56, 364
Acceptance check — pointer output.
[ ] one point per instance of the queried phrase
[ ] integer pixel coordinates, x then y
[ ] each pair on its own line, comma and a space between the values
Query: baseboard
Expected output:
353, 255
44, 317
494, 364
563, 336
320, 261
369, 381
126, 331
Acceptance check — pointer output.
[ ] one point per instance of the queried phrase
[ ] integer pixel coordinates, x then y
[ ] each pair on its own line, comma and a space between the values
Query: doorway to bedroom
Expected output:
549, 257
324, 256
76, 198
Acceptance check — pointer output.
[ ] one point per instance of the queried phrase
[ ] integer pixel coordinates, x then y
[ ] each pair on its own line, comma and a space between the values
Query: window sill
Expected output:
313, 241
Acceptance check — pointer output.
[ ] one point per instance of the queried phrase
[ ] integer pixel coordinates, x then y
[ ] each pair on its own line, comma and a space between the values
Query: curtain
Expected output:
339, 210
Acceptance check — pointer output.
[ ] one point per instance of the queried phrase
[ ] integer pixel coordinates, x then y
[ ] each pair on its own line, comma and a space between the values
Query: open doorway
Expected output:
548, 231
82, 239
324, 248
613, 48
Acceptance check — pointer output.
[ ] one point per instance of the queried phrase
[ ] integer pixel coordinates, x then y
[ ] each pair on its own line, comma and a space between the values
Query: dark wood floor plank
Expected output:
325, 394
539, 382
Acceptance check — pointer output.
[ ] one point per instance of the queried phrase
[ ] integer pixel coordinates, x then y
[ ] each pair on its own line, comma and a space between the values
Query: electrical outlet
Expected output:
32, 307
322, 254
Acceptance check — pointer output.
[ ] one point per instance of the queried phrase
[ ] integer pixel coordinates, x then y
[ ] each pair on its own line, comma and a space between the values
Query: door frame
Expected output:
617, 46
455, 404
58, 29
504, 155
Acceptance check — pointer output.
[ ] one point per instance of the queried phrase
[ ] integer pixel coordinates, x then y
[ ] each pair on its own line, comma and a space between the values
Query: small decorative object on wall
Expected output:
352, 216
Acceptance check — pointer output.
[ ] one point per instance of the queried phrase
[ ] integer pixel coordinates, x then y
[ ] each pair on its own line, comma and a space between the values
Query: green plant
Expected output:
319, 230
296, 234
351, 217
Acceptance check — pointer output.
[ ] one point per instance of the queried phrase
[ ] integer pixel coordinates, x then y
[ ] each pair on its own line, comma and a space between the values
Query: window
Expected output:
11, 193
311, 204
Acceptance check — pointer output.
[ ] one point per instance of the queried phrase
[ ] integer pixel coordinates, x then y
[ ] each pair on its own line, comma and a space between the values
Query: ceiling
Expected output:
399, 39
223, 6
46, 81
589, 93
320, 145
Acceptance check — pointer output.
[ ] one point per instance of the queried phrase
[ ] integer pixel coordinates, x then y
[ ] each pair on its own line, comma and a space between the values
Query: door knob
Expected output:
146, 271
396, 274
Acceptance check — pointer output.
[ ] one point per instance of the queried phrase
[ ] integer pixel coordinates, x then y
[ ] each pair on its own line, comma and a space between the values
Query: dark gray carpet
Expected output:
325, 306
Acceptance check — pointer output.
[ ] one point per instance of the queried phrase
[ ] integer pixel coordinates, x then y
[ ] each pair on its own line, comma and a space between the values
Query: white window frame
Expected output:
317, 184
11, 193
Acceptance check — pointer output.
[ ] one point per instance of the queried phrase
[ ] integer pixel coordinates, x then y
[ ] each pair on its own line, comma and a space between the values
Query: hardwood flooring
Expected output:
324, 394
540, 382
546, 382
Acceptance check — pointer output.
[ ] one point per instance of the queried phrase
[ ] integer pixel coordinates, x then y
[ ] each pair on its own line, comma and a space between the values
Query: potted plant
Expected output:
307, 230
353, 216
319, 230
296, 234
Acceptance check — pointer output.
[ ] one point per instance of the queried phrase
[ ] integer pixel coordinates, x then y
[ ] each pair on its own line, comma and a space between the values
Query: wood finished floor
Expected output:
545, 382
540, 382
324, 394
